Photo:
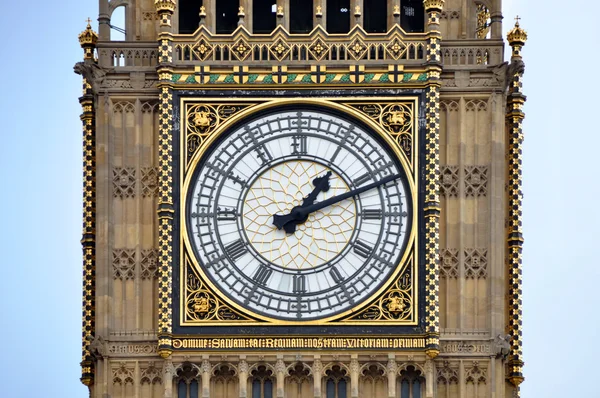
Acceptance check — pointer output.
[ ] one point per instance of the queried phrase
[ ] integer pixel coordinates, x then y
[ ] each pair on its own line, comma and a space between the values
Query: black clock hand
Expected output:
299, 214
321, 185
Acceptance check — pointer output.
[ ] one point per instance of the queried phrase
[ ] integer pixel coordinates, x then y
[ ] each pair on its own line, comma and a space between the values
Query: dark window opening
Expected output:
301, 16
227, 18
375, 16
412, 18
262, 385
264, 15
338, 16
189, 15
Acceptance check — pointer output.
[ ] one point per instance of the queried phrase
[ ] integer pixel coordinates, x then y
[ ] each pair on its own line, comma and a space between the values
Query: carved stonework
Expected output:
449, 263
476, 181
124, 180
475, 374
447, 374
151, 374
123, 375
149, 182
149, 263
123, 263
475, 263
449, 183
117, 349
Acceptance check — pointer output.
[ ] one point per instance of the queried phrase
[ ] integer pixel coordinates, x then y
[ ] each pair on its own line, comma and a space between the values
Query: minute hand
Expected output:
303, 212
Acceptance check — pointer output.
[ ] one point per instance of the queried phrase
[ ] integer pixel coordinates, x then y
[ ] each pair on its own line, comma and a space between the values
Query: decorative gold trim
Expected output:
88, 240
514, 230
300, 342
201, 304
432, 179
339, 104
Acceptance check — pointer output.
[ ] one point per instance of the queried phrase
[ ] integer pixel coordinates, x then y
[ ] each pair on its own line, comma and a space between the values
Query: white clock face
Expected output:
270, 228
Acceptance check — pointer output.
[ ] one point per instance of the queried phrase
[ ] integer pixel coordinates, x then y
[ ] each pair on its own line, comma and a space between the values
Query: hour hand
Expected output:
321, 185
296, 216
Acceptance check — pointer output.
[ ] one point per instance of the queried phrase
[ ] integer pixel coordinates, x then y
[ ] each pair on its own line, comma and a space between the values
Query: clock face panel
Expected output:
339, 255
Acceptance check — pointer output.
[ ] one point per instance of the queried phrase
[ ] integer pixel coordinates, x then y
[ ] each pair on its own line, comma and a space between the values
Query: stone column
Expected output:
168, 374
354, 375
280, 373
317, 371
243, 377
392, 373
429, 378
206, 378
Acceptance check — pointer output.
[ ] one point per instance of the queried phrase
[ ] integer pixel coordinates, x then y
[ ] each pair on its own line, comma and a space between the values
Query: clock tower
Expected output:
316, 198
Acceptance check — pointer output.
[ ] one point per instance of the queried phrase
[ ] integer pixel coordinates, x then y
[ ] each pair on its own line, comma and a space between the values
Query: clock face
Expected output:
312, 265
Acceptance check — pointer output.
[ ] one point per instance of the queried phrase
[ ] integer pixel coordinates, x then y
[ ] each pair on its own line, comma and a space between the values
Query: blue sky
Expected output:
40, 175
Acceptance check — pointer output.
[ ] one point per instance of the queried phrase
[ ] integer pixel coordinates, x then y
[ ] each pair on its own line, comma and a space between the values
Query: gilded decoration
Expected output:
396, 304
301, 50
514, 127
281, 74
201, 305
202, 120
397, 119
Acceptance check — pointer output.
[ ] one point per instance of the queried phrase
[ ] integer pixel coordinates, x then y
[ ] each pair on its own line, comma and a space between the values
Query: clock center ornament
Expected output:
320, 236
299, 215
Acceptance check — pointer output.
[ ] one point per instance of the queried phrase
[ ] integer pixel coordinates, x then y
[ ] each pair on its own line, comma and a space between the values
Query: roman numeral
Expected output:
262, 275
299, 145
236, 249
299, 284
226, 214
372, 214
335, 274
362, 249
362, 179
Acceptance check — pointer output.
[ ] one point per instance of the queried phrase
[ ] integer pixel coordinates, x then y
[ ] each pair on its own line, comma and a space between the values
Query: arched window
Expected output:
298, 381
411, 383
224, 382
301, 16
262, 382
187, 381
373, 381
189, 15
264, 15
412, 16
375, 16
338, 16
227, 17
336, 383
117, 23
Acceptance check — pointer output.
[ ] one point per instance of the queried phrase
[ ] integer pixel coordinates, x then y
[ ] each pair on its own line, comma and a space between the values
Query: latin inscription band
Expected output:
300, 342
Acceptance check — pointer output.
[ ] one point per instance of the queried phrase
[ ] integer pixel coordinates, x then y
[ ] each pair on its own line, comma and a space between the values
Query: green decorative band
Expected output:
296, 78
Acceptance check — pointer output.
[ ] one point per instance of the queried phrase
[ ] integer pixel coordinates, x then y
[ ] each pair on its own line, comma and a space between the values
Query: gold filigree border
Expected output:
201, 304
380, 125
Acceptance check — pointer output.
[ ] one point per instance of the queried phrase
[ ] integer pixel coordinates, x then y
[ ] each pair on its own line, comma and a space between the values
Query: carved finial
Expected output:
517, 38
319, 12
280, 11
241, 12
87, 40
88, 36
357, 11
396, 10
202, 11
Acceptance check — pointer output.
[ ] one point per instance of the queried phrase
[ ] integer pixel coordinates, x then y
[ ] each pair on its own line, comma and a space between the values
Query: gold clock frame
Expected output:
213, 117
